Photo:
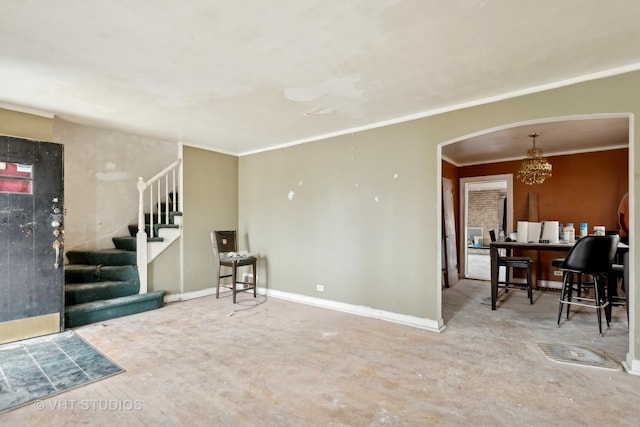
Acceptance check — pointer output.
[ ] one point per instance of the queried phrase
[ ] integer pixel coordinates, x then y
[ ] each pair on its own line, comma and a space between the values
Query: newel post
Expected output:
141, 239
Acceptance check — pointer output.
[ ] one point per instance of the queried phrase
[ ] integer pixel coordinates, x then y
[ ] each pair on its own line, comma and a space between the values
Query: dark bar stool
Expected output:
582, 284
590, 255
619, 274
517, 262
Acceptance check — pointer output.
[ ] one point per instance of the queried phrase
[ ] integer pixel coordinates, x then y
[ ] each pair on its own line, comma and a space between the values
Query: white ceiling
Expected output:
241, 76
556, 136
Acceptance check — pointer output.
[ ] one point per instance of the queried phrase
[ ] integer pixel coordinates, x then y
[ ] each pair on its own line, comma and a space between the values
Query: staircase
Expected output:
105, 284
102, 285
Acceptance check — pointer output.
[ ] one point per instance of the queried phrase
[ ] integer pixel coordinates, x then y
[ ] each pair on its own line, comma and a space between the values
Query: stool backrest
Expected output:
592, 254
224, 241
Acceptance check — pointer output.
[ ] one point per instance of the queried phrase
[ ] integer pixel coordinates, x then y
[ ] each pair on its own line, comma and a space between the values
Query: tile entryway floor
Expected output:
40, 367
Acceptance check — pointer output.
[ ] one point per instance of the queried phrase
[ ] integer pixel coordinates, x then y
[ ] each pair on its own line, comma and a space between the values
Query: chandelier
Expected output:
535, 168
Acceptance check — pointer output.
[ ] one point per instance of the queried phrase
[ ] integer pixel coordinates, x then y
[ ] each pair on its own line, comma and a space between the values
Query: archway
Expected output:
523, 127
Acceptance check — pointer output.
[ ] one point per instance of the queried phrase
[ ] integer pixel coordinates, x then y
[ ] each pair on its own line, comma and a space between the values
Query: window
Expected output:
16, 178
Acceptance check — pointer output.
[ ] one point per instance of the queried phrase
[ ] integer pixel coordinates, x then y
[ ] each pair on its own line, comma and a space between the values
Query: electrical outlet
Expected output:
320, 288
557, 273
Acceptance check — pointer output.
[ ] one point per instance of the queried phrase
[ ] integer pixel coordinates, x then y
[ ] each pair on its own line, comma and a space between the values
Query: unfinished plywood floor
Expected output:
287, 364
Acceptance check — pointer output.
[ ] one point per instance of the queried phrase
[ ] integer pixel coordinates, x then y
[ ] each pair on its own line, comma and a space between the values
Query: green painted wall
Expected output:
384, 254
164, 271
350, 218
210, 203
23, 125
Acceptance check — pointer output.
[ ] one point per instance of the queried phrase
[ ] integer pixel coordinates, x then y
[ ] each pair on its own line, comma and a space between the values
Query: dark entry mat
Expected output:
41, 367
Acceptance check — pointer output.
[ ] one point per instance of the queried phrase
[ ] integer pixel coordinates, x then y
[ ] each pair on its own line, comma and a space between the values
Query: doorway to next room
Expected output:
485, 204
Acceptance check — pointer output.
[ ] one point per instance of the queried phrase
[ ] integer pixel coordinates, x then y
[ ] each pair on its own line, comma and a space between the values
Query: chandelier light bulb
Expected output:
535, 168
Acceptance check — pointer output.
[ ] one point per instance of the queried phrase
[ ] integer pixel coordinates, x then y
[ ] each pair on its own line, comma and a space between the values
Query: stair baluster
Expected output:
141, 236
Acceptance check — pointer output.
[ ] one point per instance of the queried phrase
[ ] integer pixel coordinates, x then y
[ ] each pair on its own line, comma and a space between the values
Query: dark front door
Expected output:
31, 234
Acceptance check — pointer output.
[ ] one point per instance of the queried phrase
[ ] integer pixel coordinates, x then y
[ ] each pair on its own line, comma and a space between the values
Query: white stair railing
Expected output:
165, 183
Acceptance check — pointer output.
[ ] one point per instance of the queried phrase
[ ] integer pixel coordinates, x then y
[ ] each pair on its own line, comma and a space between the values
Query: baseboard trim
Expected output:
549, 284
403, 319
631, 366
360, 310
190, 295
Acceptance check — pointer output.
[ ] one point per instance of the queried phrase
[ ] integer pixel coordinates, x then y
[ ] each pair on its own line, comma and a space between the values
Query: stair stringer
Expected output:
144, 258
167, 182
168, 235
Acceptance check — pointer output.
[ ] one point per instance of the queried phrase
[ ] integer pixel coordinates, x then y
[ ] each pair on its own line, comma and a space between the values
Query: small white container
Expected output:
569, 233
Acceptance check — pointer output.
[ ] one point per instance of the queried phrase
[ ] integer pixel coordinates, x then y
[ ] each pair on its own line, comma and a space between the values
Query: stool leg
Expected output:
626, 307
563, 291
233, 283
596, 286
218, 284
254, 279
612, 294
570, 291
604, 300
507, 278
529, 285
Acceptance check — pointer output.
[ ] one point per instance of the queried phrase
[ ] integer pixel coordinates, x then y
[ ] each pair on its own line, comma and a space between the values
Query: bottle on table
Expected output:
569, 233
584, 229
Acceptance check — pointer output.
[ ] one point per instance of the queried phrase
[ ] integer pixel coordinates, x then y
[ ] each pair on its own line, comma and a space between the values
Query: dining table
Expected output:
510, 246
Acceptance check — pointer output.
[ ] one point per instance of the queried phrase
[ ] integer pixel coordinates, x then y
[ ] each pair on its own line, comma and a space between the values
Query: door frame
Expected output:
464, 204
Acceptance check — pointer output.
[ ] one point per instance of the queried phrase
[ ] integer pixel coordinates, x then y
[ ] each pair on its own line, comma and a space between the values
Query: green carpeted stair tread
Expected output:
102, 257
162, 218
126, 243
97, 311
80, 293
82, 273
133, 228
104, 284
130, 243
